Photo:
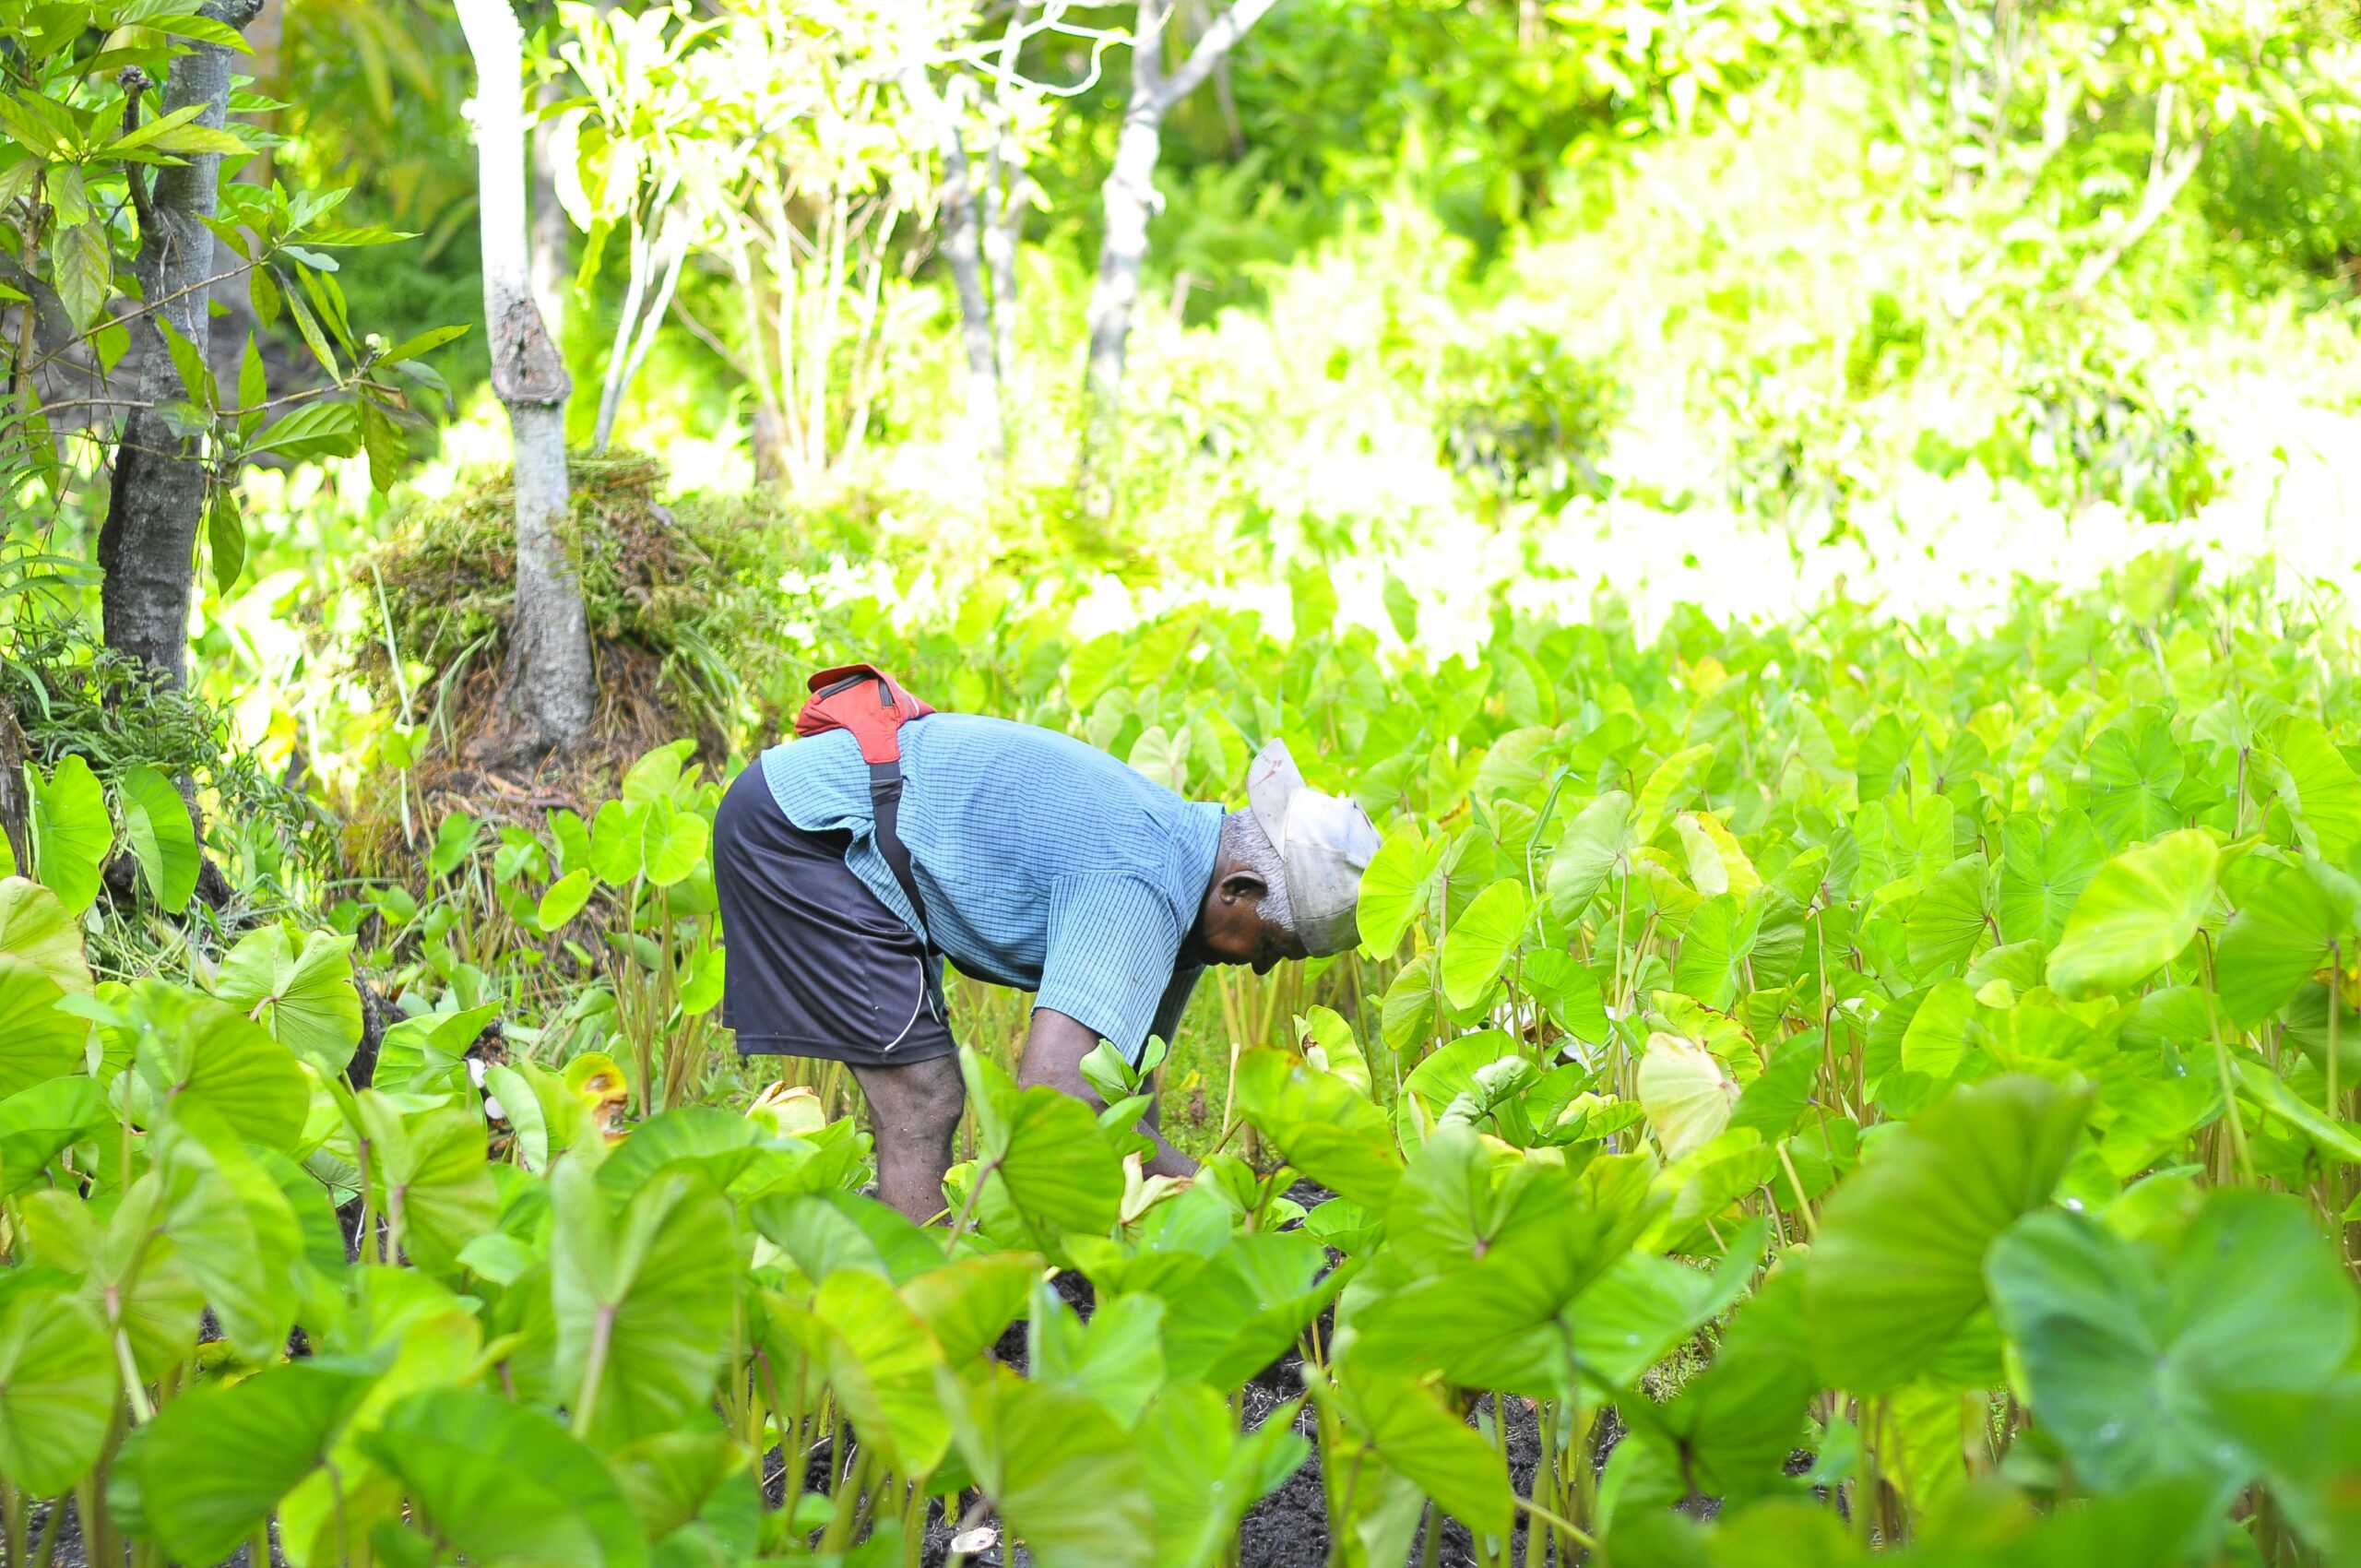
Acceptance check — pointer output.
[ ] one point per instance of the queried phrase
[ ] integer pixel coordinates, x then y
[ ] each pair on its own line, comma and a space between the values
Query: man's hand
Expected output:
1054, 1047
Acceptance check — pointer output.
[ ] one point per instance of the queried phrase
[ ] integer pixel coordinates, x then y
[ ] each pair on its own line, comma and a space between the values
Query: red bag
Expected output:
865, 700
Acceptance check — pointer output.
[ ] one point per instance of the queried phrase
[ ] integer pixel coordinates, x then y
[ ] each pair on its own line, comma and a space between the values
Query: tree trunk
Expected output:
963, 249
548, 686
1003, 233
147, 544
16, 804
1130, 199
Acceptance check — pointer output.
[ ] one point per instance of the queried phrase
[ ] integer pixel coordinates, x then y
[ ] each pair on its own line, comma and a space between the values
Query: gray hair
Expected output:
1248, 847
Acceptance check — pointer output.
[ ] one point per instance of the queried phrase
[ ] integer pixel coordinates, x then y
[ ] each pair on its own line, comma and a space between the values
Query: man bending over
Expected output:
1039, 864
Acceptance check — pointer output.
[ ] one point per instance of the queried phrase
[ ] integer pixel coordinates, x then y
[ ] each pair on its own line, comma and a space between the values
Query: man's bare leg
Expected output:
1054, 1047
913, 1113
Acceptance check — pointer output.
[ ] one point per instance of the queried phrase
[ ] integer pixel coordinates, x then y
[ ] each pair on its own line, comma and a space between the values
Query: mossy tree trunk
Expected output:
549, 687
147, 544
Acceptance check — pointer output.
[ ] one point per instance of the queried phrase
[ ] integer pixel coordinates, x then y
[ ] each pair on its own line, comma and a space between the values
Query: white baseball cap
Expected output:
1325, 843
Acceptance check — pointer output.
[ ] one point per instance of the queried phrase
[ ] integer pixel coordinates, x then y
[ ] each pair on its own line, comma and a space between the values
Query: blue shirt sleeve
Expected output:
1113, 942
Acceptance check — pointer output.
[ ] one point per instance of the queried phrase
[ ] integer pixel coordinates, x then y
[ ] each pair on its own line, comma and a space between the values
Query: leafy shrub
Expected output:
2088, 427
1887, 346
1797, 457
1521, 416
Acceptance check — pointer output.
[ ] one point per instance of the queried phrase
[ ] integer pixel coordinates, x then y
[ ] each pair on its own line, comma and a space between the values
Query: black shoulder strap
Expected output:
885, 804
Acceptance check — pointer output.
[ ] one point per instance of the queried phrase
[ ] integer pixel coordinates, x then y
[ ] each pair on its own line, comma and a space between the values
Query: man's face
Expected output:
1231, 928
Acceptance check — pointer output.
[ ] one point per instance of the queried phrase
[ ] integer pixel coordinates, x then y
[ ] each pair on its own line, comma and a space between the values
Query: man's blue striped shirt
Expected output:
1045, 864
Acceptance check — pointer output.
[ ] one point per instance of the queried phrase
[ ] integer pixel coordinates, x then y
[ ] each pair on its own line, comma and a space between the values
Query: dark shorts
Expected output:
815, 964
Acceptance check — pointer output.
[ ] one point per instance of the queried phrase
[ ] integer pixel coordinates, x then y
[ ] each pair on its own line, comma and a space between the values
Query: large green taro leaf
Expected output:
305, 998
881, 1361
162, 835
1248, 1304
821, 1232
1595, 842
38, 1041
1894, 1289
643, 1301
1477, 1279
57, 1387
217, 1461
36, 926
235, 1231
1480, 944
71, 831
1115, 1359
2295, 920
2043, 871
1393, 889
2136, 915
1067, 1480
202, 1056
1733, 1428
1320, 1123
1644, 1306
2308, 1443
426, 1167
2129, 1358
2132, 777
505, 1485
1950, 920
2313, 781
1041, 1153
1405, 1422
1204, 1474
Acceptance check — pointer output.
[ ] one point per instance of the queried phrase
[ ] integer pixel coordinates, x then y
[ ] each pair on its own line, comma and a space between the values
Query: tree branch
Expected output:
1216, 40
2162, 190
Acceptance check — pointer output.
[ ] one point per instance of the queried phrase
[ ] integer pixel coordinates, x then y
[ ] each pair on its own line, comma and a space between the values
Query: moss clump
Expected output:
677, 596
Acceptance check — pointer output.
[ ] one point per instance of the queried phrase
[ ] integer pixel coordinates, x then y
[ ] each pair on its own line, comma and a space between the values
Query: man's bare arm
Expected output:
1054, 1047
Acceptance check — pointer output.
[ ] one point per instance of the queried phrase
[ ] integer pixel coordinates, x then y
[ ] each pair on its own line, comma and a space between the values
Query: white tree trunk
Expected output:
963, 250
549, 687
1130, 201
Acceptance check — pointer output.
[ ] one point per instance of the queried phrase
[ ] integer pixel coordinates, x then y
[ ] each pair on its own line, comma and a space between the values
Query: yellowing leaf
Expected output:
1686, 1092
1716, 864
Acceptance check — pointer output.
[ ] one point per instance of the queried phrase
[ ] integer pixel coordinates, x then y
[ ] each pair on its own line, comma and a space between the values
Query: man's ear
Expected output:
1243, 886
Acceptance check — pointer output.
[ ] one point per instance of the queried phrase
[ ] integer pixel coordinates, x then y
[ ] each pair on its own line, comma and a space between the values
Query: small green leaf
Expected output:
312, 430
71, 832
307, 1000
82, 270
564, 899
1393, 889
225, 537
1478, 945
384, 441
162, 835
